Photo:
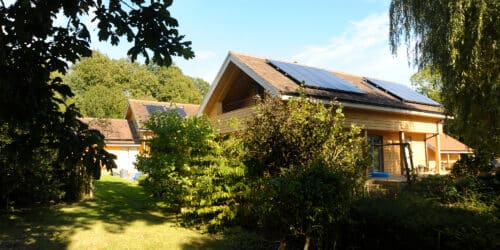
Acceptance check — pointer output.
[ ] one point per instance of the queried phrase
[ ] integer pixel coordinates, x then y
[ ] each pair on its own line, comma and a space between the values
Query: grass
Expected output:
121, 216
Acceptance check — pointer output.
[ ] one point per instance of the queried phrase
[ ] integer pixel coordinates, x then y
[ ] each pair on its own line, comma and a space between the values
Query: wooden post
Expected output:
366, 140
448, 161
401, 151
438, 149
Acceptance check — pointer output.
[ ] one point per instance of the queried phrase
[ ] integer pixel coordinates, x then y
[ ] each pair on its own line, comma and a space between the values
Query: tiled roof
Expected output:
449, 145
139, 109
115, 131
286, 86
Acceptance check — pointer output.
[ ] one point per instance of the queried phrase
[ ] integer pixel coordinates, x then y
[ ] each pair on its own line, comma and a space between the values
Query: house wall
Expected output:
385, 121
447, 159
125, 157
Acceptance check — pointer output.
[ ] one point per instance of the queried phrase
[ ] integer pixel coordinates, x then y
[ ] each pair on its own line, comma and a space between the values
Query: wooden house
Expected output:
451, 151
119, 139
391, 114
126, 138
139, 111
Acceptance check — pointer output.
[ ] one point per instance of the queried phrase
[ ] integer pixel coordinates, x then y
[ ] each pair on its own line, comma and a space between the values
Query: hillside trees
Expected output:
46, 153
460, 38
103, 85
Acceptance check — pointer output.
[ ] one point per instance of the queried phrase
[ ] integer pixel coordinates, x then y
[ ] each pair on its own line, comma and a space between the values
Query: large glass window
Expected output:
376, 151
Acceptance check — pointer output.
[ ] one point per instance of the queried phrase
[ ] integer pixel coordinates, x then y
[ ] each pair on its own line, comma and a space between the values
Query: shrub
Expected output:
409, 221
309, 166
192, 169
179, 146
441, 187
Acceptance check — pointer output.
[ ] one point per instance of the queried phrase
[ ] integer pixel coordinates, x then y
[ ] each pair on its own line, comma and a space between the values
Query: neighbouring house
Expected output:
139, 111
126, 138
119, 139
392, 115
451, 151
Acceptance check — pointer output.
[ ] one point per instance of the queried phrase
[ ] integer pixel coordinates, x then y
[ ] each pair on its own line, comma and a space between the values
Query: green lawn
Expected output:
120, 217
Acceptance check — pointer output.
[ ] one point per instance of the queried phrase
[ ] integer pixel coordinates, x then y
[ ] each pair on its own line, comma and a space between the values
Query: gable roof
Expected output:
449, 145
115, 131
278, 83
141, 110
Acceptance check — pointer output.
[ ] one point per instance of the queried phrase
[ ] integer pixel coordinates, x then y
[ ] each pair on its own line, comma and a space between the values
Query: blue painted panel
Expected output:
403, 92
314, 77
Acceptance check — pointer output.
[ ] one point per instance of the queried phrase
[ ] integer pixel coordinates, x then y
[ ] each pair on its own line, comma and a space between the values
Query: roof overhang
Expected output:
378, 108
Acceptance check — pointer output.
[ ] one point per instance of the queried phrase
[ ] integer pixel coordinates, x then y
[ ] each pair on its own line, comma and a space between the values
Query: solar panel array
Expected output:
402, 92
314, 77
159, 108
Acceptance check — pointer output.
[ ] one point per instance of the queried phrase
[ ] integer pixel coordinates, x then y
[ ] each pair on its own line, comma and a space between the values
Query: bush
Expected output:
308, 166
441, 187
193, 170
472, 165
409, 221
178, 148
308, 203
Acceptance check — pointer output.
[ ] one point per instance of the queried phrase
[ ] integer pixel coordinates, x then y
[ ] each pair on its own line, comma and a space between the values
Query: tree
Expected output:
428, 82
123, 79
102, 85
193, 170
460, 39
309, 167
43, 144
102, 102
174, 86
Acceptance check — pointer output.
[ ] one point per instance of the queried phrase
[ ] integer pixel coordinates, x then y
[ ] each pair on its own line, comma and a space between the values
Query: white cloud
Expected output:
362, 49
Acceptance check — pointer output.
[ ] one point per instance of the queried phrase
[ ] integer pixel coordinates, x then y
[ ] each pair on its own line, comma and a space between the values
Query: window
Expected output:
376, 152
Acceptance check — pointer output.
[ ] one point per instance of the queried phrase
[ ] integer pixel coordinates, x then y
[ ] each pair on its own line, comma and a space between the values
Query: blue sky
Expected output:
348, 36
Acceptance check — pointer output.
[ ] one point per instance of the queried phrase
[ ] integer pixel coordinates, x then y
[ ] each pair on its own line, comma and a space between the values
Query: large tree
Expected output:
461, 39
46, 153
428, 82
103, 85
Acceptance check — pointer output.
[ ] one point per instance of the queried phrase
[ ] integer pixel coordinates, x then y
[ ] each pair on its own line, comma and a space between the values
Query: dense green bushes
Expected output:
193, 170
294, 171
38, 167
409, 221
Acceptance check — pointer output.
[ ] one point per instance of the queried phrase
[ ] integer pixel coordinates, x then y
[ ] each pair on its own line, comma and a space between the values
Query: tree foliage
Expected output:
428, 82
311, 166
193, 170
43, 144
460, 38
298, 133
103, 85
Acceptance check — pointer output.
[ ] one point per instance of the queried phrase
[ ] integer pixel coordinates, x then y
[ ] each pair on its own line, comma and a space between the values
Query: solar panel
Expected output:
314, 77
154, 108
159, 108
402, 92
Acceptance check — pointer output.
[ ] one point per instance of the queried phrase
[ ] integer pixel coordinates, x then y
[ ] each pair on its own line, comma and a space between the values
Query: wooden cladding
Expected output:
384, 121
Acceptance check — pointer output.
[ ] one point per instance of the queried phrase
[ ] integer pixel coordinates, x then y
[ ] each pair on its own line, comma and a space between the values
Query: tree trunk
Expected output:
91, 189
282, 245
307, 244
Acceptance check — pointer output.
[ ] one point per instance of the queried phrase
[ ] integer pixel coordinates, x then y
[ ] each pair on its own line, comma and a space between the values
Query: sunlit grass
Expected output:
121, 216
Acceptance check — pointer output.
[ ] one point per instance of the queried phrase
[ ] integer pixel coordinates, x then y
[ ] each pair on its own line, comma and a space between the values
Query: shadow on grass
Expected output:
235, 238
117, 205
